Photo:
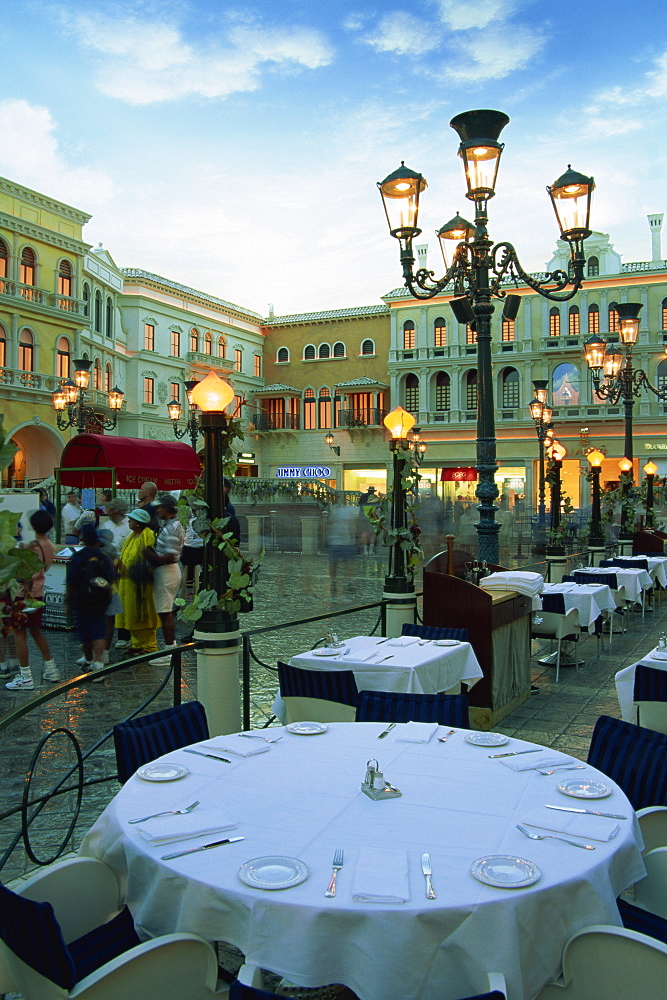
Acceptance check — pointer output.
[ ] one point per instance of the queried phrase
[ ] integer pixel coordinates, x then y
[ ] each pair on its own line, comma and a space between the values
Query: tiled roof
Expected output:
363, 382
329, 314
276, 387
136, 272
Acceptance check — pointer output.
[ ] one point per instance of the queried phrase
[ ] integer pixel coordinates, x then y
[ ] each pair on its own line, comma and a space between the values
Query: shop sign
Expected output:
303, 472
655, 446
460, 475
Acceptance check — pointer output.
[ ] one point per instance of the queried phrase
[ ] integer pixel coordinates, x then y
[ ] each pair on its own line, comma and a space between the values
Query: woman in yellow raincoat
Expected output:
135, 585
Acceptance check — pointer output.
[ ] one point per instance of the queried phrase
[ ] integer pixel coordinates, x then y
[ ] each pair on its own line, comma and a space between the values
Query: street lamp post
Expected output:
480, 268
625, 536
596, 546
175, 409
650, 470
71, 396
541, 414
399, 590
555, 557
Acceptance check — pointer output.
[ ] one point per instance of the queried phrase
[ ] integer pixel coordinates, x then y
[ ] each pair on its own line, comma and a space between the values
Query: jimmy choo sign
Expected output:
304, 472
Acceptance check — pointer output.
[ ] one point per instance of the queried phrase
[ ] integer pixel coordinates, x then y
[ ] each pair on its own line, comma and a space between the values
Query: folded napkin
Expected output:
416, 732
240, 746
533, 762
575, 825
529, 584
381, 876
403, 640
200, 823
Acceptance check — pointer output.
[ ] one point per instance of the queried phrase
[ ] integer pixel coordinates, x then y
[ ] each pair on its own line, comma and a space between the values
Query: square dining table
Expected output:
625, 682
300, 800
635, 581
590, 600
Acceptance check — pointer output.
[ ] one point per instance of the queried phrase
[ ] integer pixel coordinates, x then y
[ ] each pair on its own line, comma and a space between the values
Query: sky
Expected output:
236, 147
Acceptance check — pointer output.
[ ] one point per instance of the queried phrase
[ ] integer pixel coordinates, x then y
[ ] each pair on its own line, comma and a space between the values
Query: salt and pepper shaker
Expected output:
662, 641
374, 785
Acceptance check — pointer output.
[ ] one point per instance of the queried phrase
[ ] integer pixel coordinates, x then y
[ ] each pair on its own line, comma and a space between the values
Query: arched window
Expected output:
282, 355
439, 332
98, 312
471, 390
108, 377
565, 385
324, 351
510, 394
4, 263
3, 347
63, 358
442, 391
208, 344
573, 327
554, 322
471, 335
27, 274
339, 349
593, 268
194, 339
662, 376
309, 423
26, 351
613, 318
593, 319
507, 331
663, 311
324, 407
108, 319
309, 352
65, 281
86, 300
222, 346
175, 337
408, 335
368, 347
97, 374
412, 393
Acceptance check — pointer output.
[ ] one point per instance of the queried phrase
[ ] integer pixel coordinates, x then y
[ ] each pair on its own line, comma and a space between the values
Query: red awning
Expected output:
90, 460
461, 475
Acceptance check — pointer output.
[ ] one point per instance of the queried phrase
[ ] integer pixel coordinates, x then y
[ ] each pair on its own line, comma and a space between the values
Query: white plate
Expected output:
307, 728
162, 772
446, 642
581, 788
273, 872
655, 655
505, 872
329, 651
487, 739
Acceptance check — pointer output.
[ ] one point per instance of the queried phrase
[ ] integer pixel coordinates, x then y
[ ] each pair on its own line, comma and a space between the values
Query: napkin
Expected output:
403, 640
417, 732
381, 876
533, 761
240, 746
575, 825
200, 823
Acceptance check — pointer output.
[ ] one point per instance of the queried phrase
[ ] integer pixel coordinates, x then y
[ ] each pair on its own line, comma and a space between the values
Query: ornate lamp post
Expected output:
71, 396
174, 409
399, 591
417, 446
596, 544
329, 439
555, 556
541, 414
650, 470
479, 269
625, 537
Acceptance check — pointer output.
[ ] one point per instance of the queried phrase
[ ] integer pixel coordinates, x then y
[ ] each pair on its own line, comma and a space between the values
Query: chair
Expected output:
634, 757
630, 564
609, 580
650, 697
554, 622
399, 706
436, 632
81, 944
653, 825
610, 963
317, 695
141, 740
495, 983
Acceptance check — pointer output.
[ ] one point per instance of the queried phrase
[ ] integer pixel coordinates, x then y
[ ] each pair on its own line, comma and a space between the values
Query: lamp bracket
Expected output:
627, 384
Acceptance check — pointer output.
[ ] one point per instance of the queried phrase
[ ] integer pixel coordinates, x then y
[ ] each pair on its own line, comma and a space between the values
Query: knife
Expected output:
427, 870
206, 847
514, 753
387, 730
589, 812
380, 641
211, 755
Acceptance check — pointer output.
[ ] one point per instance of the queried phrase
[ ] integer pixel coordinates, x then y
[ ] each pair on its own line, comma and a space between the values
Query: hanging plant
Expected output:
408, 537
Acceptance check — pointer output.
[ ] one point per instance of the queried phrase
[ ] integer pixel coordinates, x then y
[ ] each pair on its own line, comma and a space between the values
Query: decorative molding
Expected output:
32, 231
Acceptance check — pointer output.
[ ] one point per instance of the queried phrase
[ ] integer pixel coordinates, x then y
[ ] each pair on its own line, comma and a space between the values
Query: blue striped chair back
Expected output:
643, 921
553, 603
239, 991
608, 579
31, 931
141, 740
625, 563
436, 632
329, 685
398, 706
650, 684
634, 757
568, 578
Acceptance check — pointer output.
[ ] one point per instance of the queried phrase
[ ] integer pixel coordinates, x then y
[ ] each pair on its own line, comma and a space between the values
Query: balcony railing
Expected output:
31, 293
371, 416
276, 421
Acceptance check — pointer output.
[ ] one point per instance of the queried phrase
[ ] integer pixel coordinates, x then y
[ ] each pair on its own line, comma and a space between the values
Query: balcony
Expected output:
275, 421
371, 416
39, 297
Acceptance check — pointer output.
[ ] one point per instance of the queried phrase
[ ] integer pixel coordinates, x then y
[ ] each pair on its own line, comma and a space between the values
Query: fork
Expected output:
551, 836
256, 736
337, 865
168, 812
563, 767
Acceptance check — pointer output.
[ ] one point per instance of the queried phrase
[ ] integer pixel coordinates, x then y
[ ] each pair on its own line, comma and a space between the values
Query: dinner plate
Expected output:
329, 651
446, 642
505, 872
487, 739
273, 872
307, 728
659, 654
581, 788
162, 772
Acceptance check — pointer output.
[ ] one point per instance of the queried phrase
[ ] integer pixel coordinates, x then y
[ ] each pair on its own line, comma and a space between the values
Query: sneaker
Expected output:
82, 661
97, 665
163, 661
50, 671
21, 683
123, 643
5, 671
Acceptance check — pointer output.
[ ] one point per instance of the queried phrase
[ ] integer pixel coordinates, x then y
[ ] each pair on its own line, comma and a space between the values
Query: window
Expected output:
175, 390
3, 347
662, 376
471, 390
439, 333
471, 335
238, 360
175, 343
324, 408
510, 389
149, 337
593, 268
149, 390
86, 300
309, 423
593, 319
257, 365
362, 408
613, 318
663, 310
283, 355
65, 282
554, 322
408, 335
565, 385
221, 347
4, 264
108, 377
339, 350
27, 273
309, 352
368, 347
324, 351
26, 351
442, 391
573, 327
108, 321
208, 344
237, 403
507, 331
98, 312
412, 393
97, 374
194, 339
62, 358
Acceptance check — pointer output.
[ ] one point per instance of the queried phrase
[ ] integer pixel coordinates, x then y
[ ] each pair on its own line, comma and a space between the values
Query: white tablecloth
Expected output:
302, 799
634, 580
625, 685
657, 567
589, 599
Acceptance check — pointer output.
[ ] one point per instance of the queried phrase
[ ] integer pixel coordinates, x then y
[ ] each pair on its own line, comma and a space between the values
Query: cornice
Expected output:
43, 201
34, 232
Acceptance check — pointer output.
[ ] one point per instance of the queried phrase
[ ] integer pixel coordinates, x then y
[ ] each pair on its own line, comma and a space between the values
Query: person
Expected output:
41, 523
69, 515
165, 556
44, 502
368, 501
146, 501
135, 585
342, 537
116, 510
102, 499
192, 555
90, 576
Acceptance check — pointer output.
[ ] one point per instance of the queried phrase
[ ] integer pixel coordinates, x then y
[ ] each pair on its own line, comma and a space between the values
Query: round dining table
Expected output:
299, 800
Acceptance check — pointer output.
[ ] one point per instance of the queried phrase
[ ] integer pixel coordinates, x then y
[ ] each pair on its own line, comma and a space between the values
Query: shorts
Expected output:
166, 585
35, 618
91, 627
338, 553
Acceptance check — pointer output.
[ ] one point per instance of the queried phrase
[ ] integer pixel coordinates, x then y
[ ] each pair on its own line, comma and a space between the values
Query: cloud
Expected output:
460, 15
144, 61
655, 87
494, 53
30, 154
404, 35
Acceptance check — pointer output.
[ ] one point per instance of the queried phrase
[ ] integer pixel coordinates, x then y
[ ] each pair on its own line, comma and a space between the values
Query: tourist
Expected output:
116, 510
69, 515
135, 585
146, 501
90, 577
165, 556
